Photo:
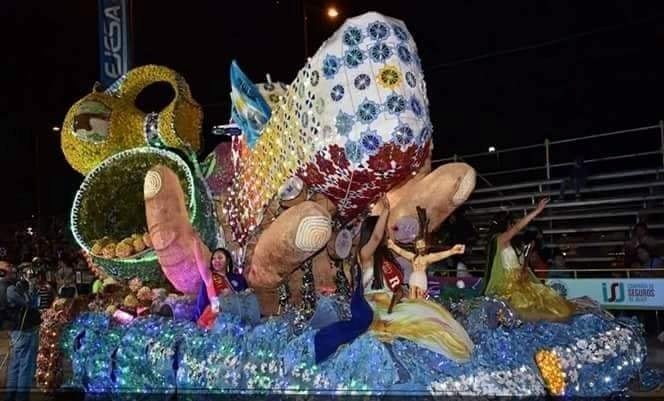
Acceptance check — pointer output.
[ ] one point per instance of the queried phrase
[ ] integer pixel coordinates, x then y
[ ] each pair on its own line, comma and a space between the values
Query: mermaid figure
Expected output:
421, 260
330, 338
509, 278
423, 322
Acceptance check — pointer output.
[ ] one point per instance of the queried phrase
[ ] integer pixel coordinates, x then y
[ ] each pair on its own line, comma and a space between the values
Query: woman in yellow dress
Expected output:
510, 279
424, 322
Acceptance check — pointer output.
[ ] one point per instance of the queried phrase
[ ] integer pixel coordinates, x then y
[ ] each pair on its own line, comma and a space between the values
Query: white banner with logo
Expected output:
628, 293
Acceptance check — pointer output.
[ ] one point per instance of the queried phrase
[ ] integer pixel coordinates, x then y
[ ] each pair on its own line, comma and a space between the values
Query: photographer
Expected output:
22, 319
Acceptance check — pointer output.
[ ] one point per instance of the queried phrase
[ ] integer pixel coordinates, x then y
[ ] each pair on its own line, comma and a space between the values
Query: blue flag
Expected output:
249, 110
114, 40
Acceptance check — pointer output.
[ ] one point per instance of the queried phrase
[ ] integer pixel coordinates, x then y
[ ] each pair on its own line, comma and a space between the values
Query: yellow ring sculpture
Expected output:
106, 122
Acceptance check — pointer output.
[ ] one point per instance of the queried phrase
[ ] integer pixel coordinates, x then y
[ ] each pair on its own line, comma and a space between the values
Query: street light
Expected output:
56, 129
492, 149
332, 12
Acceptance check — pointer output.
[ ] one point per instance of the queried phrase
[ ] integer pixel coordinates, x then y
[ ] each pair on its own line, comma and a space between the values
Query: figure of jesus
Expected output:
420, 260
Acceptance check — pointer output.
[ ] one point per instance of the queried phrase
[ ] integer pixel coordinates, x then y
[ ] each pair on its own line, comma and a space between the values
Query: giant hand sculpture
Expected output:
309, 159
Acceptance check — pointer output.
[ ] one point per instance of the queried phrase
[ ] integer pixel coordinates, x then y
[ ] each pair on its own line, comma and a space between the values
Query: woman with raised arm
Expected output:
511, 279
371, 250
215, 284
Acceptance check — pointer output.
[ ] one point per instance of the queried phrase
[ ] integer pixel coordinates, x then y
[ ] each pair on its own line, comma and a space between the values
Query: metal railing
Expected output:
594, 202
548, 144
569, 245
540, 184
625, 213
605, 188
603, 260
610, 273
595, 229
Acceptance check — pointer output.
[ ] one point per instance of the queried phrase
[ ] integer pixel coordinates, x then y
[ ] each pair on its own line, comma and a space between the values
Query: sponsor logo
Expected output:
613, 293
114, 39
617, 291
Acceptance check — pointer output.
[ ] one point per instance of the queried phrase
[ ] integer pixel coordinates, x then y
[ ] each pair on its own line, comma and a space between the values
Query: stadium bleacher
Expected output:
622, 190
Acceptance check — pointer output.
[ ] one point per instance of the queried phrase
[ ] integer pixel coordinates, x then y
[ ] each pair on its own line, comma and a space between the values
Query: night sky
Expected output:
601, 70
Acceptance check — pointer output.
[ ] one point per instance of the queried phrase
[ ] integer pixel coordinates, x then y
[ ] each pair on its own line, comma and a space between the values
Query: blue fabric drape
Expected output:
330, 338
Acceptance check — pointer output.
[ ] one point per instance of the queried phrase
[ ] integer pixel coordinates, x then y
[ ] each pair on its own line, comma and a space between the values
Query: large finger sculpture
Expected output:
292, 238
172, 235
440, 193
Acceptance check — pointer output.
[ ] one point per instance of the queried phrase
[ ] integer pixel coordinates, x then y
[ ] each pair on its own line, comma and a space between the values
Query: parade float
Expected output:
305, 165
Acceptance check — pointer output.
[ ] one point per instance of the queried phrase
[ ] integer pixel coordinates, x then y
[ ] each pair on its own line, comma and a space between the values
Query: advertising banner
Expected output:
114, 40
628, 293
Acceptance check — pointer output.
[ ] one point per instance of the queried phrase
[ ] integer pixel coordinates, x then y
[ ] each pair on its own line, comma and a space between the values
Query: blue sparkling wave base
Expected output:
600, 355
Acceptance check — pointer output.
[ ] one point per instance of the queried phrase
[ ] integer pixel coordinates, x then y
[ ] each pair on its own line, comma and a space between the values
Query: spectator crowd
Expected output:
36, 267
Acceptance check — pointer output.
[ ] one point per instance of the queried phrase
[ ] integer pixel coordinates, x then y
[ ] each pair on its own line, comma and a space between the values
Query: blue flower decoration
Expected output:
380, 52
399, 32
344, 123
416, 106
395, 103
353, 151
331, 66
424, 135
337, 93
362, 81
403, 135
315, 77
410, 78
404, 54
368, 111
378, 30
352, 36
354, 57
370, 142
